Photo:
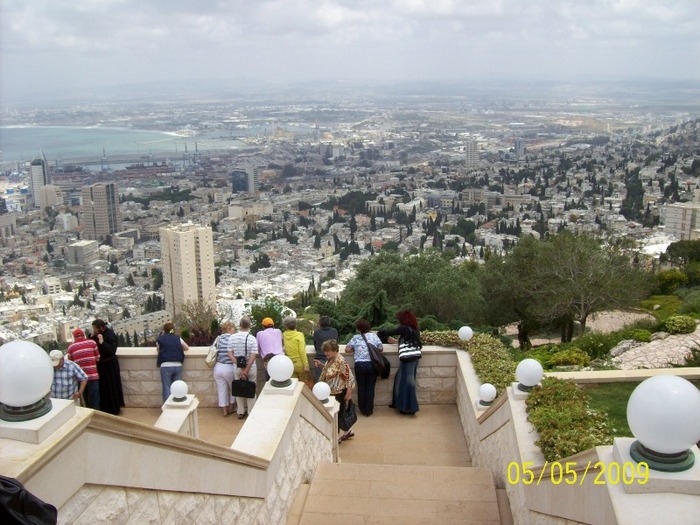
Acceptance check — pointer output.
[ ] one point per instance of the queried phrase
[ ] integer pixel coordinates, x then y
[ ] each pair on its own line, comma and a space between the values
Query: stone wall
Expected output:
96, 504
501, 437
99, 468
142, 386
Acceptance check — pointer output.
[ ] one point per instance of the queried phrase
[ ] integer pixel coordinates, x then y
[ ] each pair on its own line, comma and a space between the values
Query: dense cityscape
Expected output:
291, 195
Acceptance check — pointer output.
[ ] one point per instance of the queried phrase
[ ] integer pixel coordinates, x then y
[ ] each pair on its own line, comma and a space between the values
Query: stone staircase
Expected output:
398, 494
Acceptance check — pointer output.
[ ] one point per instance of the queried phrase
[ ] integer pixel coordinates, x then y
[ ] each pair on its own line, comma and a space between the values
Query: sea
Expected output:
66, 143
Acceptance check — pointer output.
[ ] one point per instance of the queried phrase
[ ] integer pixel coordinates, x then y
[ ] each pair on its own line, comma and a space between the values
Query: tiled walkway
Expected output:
432, 437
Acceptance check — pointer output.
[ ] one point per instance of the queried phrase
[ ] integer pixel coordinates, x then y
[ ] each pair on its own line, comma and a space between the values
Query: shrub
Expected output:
490, 357
569, 357
680, 324
492, 361
560, 412
448, 339
638, 334
691, 302
595, 344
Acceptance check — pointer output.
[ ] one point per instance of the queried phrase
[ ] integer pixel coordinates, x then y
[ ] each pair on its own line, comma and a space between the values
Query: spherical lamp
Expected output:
529, 373
322, 392
487, 393
179, 390
280, 369
465, 333
663, 413
26, 374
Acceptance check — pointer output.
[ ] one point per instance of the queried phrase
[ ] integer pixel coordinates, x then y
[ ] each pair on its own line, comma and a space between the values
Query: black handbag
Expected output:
349, 417
242, 360
380, 363
243, 388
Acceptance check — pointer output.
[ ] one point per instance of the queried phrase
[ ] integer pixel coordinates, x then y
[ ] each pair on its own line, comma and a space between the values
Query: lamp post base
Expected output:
25, 413
662, 462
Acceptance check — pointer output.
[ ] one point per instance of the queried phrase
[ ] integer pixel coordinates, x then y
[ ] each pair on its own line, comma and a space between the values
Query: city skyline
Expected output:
79, 48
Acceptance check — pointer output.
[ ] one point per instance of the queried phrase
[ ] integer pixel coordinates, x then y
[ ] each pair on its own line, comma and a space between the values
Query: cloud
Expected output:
92, 42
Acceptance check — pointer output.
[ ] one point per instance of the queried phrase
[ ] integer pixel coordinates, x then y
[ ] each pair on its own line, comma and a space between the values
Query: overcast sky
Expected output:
79, 44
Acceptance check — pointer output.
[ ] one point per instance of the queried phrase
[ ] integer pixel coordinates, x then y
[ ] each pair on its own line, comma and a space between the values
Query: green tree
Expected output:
271, 307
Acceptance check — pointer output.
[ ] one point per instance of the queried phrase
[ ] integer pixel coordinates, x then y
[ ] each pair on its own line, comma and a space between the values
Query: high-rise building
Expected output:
100, 212
38, 178
471, 153
187, 253
245, 180
519, 148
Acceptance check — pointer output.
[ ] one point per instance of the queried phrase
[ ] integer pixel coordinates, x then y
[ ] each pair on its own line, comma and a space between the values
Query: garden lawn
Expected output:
612, 398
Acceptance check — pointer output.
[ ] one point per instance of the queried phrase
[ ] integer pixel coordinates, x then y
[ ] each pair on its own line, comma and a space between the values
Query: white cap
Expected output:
56, 356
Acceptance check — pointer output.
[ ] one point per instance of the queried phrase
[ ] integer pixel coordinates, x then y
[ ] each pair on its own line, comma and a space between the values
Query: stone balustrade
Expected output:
142, 386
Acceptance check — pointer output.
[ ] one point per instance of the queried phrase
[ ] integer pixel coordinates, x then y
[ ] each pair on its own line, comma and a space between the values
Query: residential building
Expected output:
49, 195
471, 153
187, 253
101, 216
83, 252
681, 219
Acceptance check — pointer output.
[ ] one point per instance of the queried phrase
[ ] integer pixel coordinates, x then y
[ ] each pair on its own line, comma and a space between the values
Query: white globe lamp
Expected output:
322, 392
663, 413
26, 374
465, 333
487, 393
280, 369
179, 390
529, 373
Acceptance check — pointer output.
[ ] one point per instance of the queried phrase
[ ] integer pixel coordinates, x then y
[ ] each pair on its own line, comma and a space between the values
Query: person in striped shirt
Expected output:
84, 353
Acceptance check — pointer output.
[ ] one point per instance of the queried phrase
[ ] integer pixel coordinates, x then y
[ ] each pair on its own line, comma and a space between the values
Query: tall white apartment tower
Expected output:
187, 252
471, 153
38, 177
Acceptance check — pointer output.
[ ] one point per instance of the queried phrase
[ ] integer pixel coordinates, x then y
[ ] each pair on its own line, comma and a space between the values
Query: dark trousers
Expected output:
340, 398
366, 380
92, 394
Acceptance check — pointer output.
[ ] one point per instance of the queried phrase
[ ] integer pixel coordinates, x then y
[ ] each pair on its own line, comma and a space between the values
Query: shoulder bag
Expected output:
242, 360
212, 354
380, 363
410, 349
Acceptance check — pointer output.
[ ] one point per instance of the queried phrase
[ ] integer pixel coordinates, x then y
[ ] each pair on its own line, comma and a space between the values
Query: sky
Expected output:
84, 45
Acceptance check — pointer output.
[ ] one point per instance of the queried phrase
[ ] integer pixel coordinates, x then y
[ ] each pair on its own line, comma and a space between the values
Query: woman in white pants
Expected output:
224, 369
244, 348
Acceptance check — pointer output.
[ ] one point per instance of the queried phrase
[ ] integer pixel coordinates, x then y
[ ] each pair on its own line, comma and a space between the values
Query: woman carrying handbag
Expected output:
336, 372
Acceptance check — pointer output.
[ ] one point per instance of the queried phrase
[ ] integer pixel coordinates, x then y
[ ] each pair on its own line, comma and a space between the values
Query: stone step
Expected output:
378, 494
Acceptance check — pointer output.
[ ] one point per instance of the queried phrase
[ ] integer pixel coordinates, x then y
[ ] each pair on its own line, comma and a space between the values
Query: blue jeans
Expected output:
168, 375
92, 394
405, 399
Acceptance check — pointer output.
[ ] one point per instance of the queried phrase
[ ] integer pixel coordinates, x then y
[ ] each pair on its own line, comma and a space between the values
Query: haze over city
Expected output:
78, 48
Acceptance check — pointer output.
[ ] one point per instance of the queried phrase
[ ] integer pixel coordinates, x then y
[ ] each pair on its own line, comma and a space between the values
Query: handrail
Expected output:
109, 424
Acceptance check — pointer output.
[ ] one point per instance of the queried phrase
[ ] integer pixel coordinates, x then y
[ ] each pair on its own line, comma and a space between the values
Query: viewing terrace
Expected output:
448, 464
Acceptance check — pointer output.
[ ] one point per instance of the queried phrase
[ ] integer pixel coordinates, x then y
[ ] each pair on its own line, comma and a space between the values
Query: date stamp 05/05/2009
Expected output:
574, 473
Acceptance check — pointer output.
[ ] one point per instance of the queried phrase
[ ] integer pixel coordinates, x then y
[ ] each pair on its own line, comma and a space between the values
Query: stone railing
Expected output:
501, 439
98, 468
142, 385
